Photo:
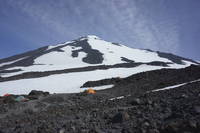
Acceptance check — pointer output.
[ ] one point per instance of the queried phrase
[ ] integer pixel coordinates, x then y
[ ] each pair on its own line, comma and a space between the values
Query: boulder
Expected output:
136, 101
197, 109
9, 99
120, 117
38, 93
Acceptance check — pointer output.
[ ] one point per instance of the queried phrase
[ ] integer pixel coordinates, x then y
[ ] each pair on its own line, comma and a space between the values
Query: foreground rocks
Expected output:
158, 112
169, 111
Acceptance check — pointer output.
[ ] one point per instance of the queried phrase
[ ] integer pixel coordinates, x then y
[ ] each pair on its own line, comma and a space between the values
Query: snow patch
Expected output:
11, 62
120, 97
175, 86
57, 45
68, 83
92, 37
136, 55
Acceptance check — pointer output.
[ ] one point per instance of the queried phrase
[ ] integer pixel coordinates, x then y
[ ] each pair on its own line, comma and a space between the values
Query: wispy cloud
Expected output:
145, 26
129, 21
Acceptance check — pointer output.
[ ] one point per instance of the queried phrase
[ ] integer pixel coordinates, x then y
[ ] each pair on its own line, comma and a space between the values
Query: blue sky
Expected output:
164, 25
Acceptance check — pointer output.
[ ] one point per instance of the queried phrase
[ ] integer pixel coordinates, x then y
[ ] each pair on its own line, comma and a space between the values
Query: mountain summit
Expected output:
64, 68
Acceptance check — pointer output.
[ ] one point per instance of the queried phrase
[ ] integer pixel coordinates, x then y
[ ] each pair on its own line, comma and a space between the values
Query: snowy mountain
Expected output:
65, 67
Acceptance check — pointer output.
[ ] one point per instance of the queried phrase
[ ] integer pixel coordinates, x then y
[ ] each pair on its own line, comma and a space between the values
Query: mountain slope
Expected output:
129, 107
64, 68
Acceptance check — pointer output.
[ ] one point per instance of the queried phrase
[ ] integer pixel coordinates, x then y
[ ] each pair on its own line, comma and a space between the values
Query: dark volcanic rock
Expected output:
93, 56
197, 109
136, 101
9, 99
120, 117
38, 93
174, 58
101, 82
139, 83
34, 94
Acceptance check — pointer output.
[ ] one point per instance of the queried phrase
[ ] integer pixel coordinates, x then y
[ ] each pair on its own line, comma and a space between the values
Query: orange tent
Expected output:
90, 91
